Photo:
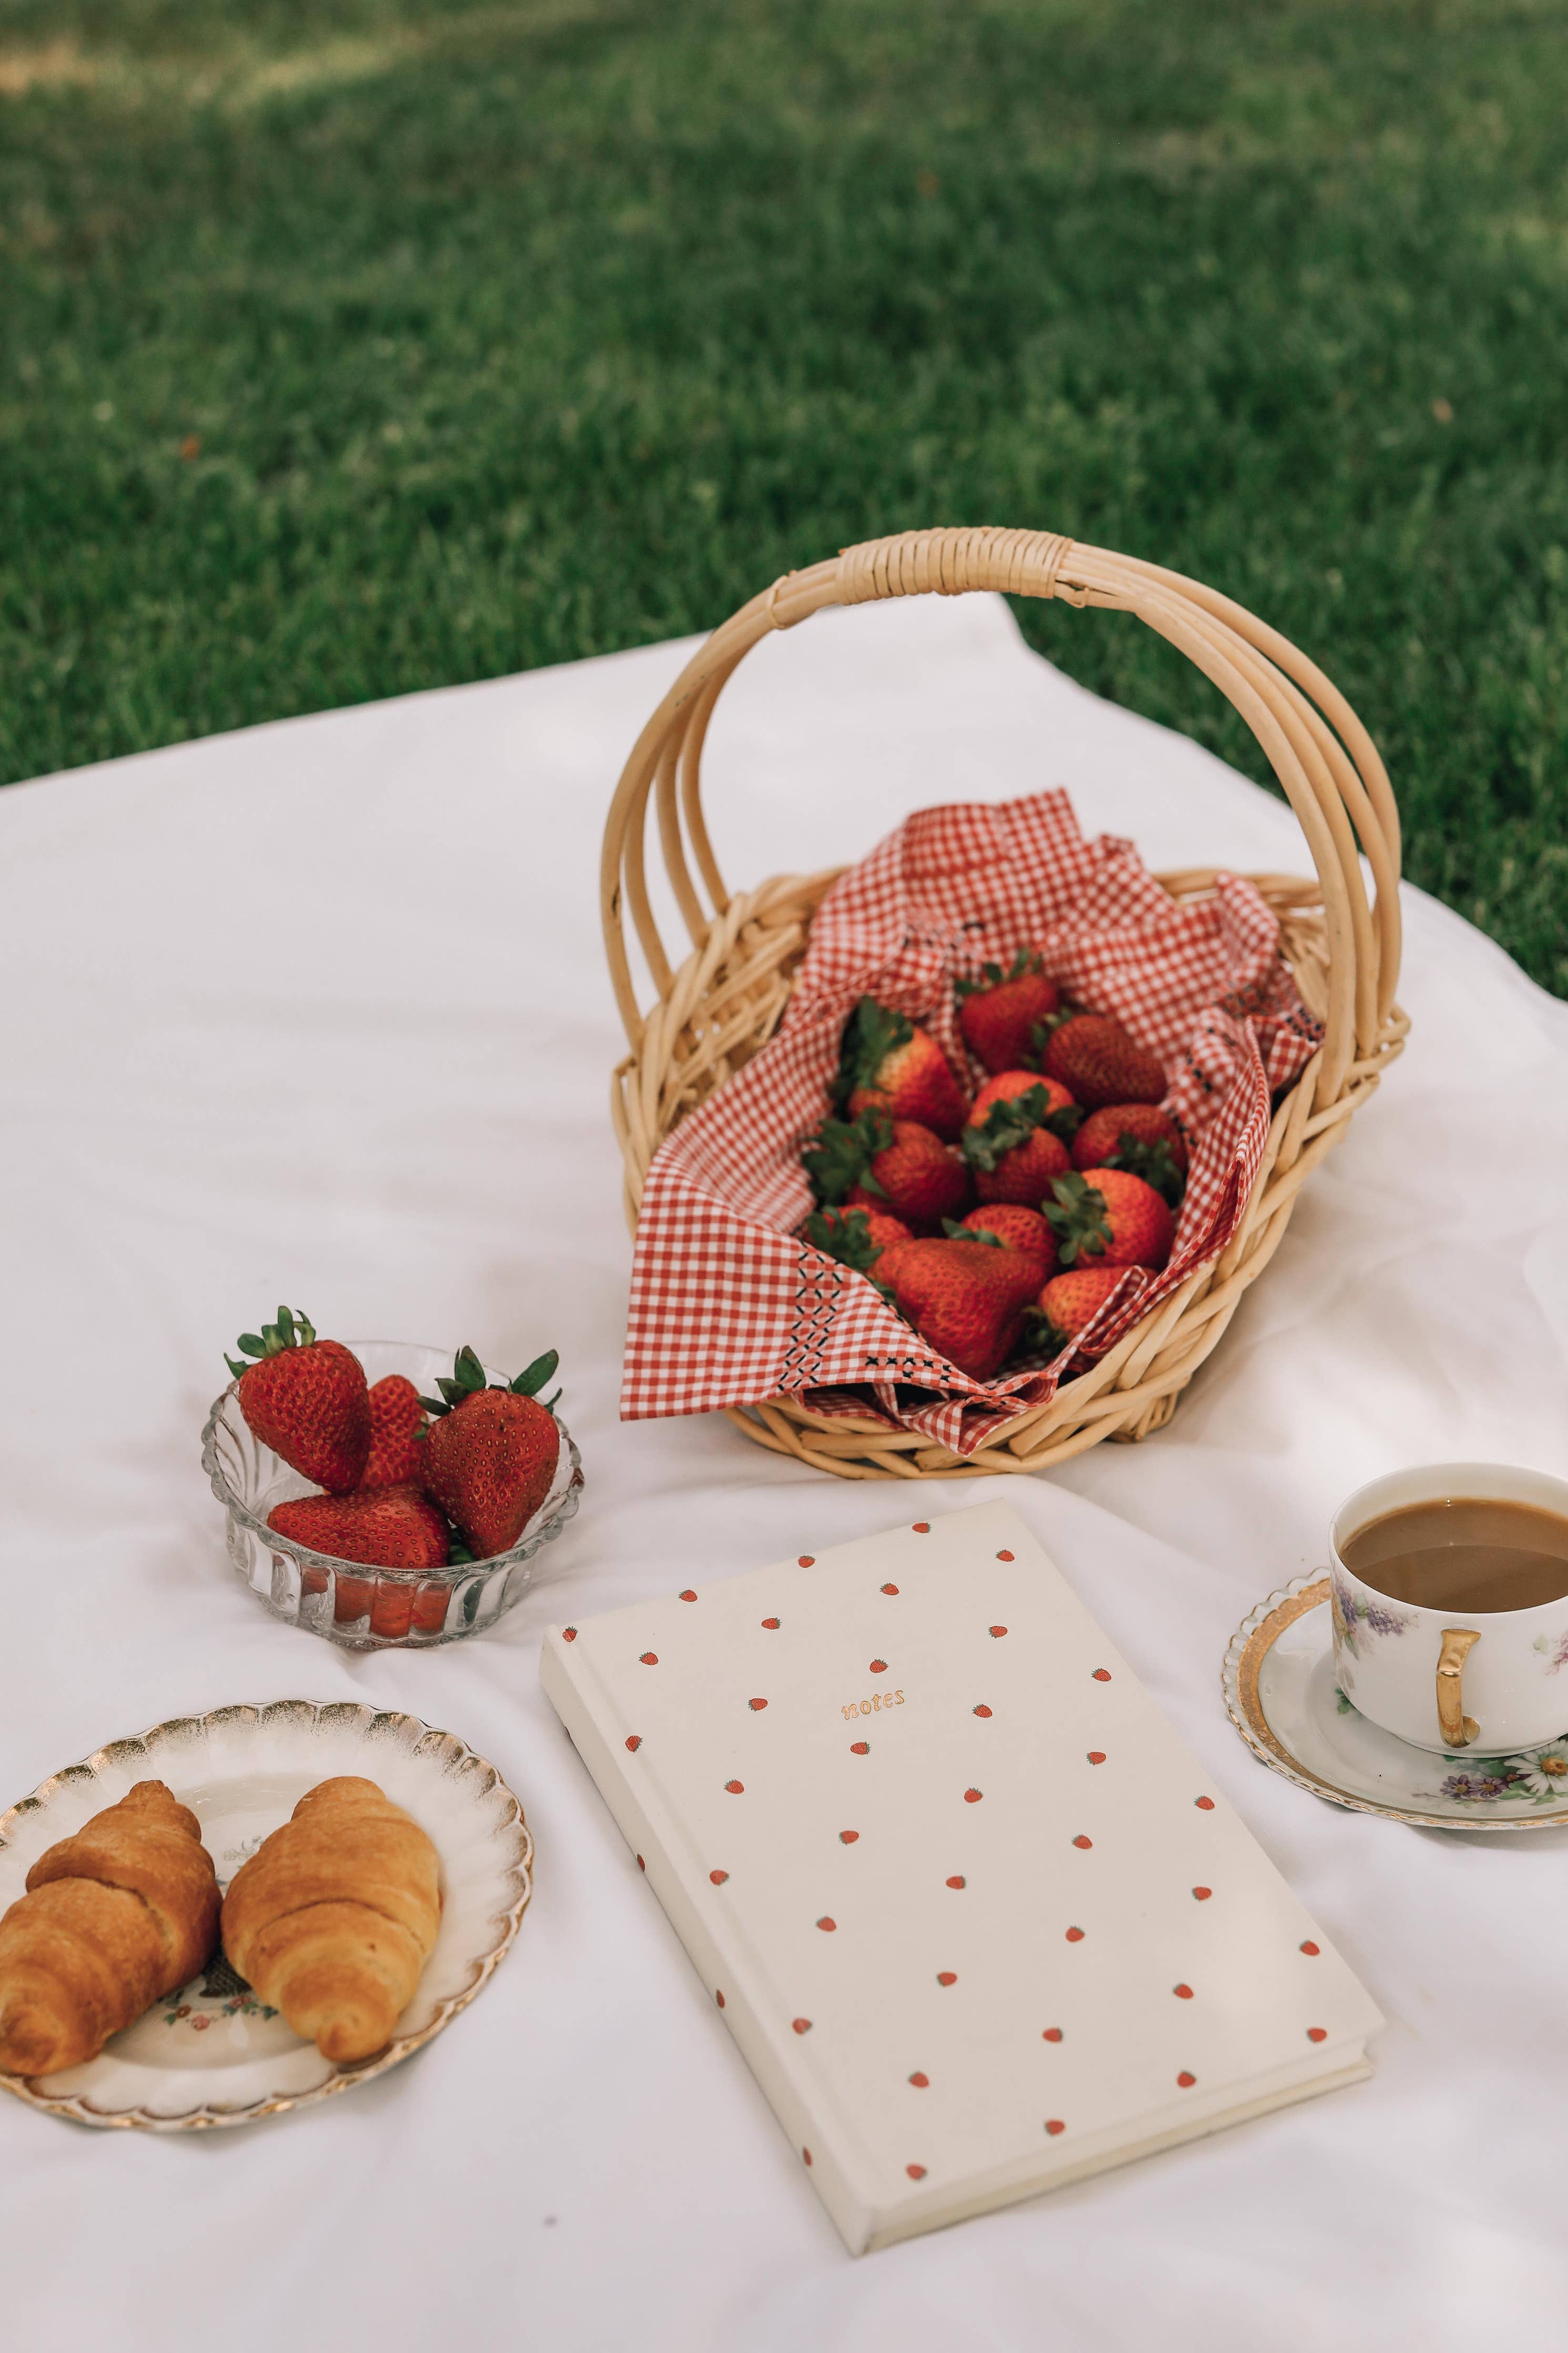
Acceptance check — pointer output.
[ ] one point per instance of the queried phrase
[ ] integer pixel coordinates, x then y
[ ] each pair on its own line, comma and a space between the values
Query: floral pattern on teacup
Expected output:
1537, 1778
1554, 1649
1355, 1618
1544, 1775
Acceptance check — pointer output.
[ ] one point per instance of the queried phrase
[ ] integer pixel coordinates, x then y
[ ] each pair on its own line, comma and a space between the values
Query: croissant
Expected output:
335, 1915
113, 1918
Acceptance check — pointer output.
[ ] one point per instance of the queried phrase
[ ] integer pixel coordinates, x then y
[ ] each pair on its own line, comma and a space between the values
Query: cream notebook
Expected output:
977, 1921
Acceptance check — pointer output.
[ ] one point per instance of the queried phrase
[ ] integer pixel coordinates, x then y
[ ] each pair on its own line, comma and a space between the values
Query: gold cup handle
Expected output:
1457, 1728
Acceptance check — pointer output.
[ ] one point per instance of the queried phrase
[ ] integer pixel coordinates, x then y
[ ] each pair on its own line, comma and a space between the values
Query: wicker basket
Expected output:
714, 1010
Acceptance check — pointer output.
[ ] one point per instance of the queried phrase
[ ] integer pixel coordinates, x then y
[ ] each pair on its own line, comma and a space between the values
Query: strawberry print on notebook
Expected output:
893, 1816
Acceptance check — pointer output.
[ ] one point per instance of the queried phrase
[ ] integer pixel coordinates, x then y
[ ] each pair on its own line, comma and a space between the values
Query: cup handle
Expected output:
1457, 1728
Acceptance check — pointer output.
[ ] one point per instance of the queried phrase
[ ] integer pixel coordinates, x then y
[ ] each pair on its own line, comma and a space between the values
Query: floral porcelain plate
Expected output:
1279, 1687
213, 2053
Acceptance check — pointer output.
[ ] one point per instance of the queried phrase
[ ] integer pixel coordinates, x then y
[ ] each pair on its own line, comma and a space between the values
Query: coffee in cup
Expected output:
1449, 1587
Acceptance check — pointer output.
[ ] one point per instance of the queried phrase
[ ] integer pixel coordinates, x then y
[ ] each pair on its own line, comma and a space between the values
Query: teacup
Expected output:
1452, 1680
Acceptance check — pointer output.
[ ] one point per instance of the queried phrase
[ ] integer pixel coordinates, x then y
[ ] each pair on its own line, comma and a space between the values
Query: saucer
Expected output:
1279, 1687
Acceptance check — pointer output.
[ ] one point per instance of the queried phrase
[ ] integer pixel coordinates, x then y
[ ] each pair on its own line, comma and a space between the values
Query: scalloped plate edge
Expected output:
341, 2079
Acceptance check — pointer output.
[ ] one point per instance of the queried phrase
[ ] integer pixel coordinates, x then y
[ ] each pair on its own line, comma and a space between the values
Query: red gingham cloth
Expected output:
729, 1306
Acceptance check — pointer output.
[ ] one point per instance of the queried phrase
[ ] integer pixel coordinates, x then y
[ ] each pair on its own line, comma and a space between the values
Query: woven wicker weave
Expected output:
716, 1008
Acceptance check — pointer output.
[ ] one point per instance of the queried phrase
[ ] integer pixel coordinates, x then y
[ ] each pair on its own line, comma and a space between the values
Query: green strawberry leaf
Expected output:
466, 1379
872, 1032
839, 1155
991, 975
844, 1235
1154, 1162
1040, 1335
1078, 1219
292, 1329
957, 1232
1041, 1032
532, 1379
1011, 1123
1005, 1126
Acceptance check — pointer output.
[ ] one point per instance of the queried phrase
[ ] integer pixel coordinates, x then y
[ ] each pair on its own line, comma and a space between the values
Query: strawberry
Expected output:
490, 1454
886, 1061
397, 1422
917, 1177
1016, 1228
1061, 1113
1070, 1302
389, 1528
966, 1298
855, 1237
398, 1610
1101, 1064
1002, 1015
896, 1166
1116, 1221
883, 1226
1012, 1141
306, 1399
1139, 1137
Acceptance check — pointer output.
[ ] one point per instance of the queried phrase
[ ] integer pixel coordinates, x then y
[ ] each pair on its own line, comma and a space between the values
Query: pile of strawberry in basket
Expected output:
997, 1227
908, 1080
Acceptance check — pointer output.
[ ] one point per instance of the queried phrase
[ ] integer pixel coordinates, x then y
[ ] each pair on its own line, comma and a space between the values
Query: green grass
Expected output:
515, 333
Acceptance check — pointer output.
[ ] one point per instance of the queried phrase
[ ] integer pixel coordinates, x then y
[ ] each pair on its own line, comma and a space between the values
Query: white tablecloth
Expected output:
319, 1012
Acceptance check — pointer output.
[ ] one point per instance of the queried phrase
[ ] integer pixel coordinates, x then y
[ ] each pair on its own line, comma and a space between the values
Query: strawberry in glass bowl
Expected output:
378, 1499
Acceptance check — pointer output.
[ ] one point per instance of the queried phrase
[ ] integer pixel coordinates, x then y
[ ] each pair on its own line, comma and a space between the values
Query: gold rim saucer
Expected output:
1240, 1681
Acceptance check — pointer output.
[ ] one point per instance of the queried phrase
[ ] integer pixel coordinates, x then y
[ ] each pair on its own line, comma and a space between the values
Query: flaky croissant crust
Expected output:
115, 1917
333, 1919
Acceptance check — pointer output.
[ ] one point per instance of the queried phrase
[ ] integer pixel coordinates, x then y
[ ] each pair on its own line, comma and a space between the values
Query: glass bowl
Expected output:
367, 1608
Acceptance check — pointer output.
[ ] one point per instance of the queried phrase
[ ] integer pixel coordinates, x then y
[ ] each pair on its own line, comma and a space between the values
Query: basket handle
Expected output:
1323, 757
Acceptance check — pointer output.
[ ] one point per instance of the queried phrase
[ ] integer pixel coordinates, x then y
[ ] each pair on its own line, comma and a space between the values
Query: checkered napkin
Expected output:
729, 1306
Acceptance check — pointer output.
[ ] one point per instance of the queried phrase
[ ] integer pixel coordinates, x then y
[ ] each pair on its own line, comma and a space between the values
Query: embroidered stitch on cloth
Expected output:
729, 1306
